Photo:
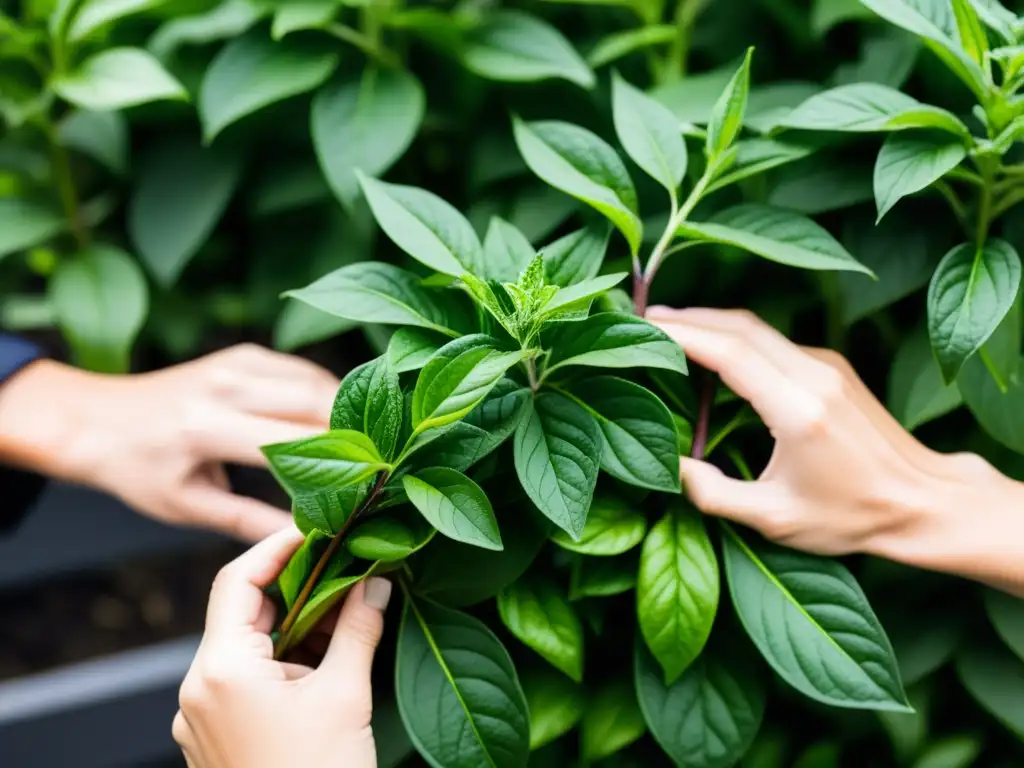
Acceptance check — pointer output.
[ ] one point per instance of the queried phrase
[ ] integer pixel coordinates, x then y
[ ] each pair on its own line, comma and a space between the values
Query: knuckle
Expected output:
732, 351
970, 463
192, 694
814, 422
831, 387
780, 525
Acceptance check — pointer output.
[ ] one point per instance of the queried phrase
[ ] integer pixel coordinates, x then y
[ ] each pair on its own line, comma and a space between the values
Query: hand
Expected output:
159, 440
242, 709
844, 476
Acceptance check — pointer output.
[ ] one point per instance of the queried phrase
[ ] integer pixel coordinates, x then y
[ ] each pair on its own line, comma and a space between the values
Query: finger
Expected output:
181, 732
307, 399
357, 634
748, 502
236, 437
236, 599
242, 517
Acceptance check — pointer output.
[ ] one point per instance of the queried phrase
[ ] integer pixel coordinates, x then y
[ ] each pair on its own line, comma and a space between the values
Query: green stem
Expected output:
679, 52
959, 210
741, 464
365, 42
1012, 198
676, 220
66, 186
531, 374
993, 371
984, 213
962, 174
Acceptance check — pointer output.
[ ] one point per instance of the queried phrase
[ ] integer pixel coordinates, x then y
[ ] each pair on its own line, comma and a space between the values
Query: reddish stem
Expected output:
641, 291
701, 428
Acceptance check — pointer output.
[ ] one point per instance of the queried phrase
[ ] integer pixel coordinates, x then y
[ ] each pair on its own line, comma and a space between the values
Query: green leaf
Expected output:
620, 44
325, 596
575, 161
555, 704
611, 721
364, 122
614, 340
369, 400
411, 348
535, 611
727, 116
996, 410
613, 527
252, 72
299, 325
181, 194
297, 15
576, 257
908, 731
812, 623
299, 567
709, 717
973, 38
118, 78
908, 163
924, 640
640, 437
997, 17
776, 234
917, 393
604, 576
677, 591
869, 107
953, 751
1007, 616
649, 133
458, 692
424, 226
458, 378
994, 678
516, 47
507, 252
24, 224
826, 14
93, 15
103, 136
558, 448
228, 19
374, 292
760, 154
971, 291
328, 461
455, 505
577, 297
390, 536
101, 300
821, 184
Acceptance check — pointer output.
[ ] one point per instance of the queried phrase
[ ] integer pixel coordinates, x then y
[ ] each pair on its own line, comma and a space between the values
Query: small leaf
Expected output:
302, 14
812, 623
229, 19
390, 536
604, 576
613, 527
252, 72
411, 348
649, 133
709, 717
300, 325
973, 38
776, 234
619, 44
577, 297
1007, 616
118, 78
458, 692
507, 252
555, 704
327, 594
994, 678
455, 505
614, 340
540, 617
512, 46
102, 136
364, 122
101, 300
24, 225
908, 163
369, 400
93, 15
757, 155
917, 393
580, 164
576, 257
971, 291
299, 567
424, 226
557, 454
611, 721
727, 116
953, 751
331, 460
677, 591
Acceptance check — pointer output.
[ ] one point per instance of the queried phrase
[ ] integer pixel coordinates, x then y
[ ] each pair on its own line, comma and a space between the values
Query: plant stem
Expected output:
1012, 198
984, 213
954, 202
365, 43
700, 430
676, 220
66, 186
641, 292
986, 358
531, 374
679, 52
962, 174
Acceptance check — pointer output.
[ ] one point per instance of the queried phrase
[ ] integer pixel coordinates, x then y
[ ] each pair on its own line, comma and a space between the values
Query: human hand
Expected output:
159, 440
242, 709
844, 476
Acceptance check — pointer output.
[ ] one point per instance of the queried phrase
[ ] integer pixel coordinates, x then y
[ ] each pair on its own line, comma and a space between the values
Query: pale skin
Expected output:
159, 441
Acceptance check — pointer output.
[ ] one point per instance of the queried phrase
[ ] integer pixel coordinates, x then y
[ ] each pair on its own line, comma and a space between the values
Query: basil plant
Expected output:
517, 447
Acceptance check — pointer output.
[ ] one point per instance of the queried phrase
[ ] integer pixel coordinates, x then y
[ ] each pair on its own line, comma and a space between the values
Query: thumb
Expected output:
358, 631
713, 493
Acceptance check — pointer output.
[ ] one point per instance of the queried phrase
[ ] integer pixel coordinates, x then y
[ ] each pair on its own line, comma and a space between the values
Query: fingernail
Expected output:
377, 593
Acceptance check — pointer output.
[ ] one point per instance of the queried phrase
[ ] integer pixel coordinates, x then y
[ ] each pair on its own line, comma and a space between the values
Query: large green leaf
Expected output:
390, 536
613, 527
869, 107
611, 721
299, 567
118, 78
411, 348
101, 300
512, 46
812, 623
709, 717
971, 292
93, 15
507, 252
909, 162
760, 154
366, 122
555, 704
332, 460
374, 292
369, 400
575, 161
614, 340
917, 393
1007, 616
575, 299
457, 379
536, 612
455, 505
726, 120
424, 226
252, 72
640, 437
959, 751
649, 133
677, 590
24, 224
181, 193
576, 257
995, 679
325, 596
102, 136
775, 234
558, 447
228, 19
458, 693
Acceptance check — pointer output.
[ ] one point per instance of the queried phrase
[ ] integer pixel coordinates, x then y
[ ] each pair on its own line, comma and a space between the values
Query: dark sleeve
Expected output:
18, 490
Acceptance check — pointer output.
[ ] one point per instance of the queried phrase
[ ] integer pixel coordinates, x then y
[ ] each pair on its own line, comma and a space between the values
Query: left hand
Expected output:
242, 709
